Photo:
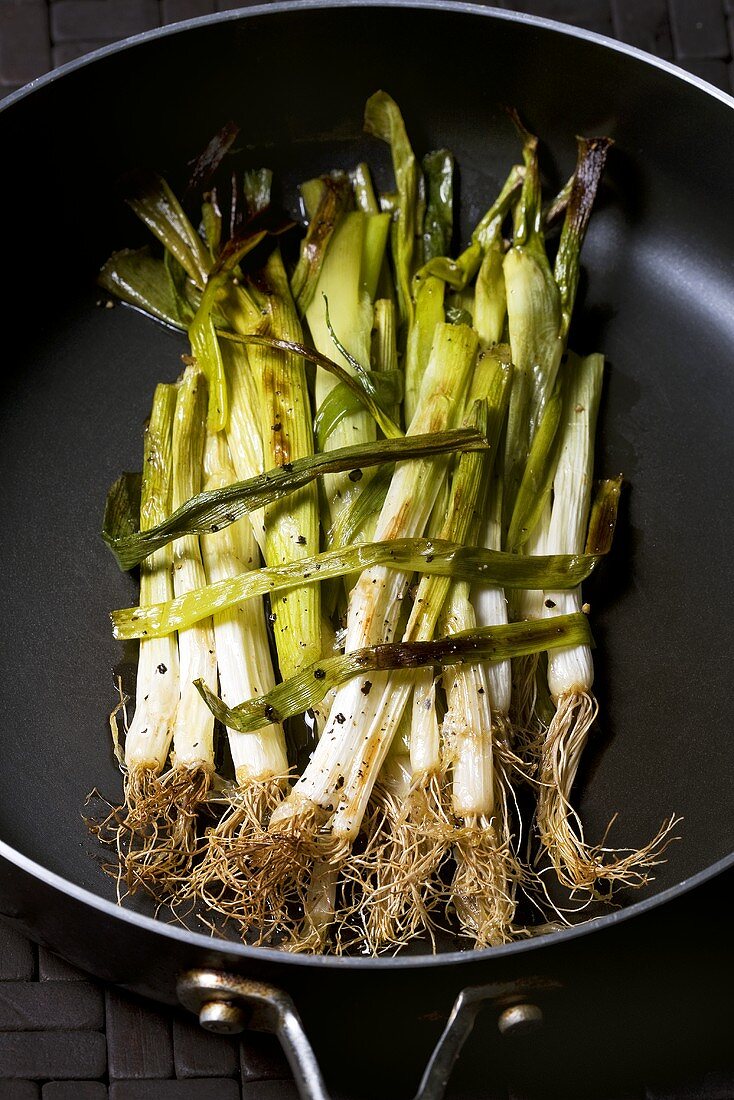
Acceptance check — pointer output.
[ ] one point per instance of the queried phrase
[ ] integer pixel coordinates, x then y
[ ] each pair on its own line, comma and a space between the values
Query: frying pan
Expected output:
657, 294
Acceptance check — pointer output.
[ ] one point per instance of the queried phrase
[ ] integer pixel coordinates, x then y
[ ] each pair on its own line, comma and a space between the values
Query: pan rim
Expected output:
243, 952
278, 7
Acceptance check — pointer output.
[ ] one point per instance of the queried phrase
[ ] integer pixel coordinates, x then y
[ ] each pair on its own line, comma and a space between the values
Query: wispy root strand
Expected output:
155, 831
528, 732
510, 752
577, 864
396, 882
483, 887
488, 870
258, 876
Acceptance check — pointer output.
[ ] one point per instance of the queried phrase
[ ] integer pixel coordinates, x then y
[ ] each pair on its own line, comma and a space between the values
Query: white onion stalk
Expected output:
338, 781
157, 687
483, 885
571, 670
243, 651
260, 760
477, 735
376, 600
149, 736
528, 604
168, 855
476, 727
347, 279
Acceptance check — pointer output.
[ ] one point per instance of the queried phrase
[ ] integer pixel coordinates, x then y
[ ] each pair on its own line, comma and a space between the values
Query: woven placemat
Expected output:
64, 1036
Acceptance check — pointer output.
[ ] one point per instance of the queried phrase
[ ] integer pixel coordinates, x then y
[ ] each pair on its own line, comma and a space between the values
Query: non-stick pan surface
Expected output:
656, 298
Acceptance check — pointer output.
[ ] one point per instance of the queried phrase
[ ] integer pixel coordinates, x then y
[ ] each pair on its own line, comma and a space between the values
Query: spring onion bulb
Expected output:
245, 669
476, 729
157, 689
570, 670
171, 841
486, 871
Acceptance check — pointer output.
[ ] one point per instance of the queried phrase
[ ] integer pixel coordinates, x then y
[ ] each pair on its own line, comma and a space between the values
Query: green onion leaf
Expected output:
209, 512
438, 223
342, 401
458, 273
435, 557
537, 478
382, 118
141, 280
122, 507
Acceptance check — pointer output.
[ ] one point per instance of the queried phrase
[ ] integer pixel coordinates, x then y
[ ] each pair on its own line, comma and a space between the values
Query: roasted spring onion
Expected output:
365, 514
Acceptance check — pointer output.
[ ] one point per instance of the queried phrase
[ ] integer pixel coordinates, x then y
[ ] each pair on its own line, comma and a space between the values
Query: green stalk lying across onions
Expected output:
380, 457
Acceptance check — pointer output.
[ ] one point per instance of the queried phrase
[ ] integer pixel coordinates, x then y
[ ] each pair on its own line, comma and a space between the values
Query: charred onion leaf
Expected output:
336, 195
206, 164
604, 516
156, 205
209, 512
494, 643
592, 156
257, 185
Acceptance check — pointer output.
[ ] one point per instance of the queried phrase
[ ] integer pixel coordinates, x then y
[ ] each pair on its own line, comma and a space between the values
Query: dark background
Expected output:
63, 1037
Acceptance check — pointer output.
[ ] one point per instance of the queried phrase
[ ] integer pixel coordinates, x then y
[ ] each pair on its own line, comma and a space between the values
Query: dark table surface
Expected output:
63, 1036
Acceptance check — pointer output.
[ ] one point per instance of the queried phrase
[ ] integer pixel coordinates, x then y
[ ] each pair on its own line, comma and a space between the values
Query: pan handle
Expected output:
227, 1004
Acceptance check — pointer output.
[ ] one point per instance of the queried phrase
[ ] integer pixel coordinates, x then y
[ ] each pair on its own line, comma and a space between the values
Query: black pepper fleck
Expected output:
162, 669
319, 673
355, 475
366, 687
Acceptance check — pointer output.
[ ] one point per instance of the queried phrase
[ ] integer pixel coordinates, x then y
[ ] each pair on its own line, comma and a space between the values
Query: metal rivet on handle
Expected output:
520, 1020
222, 1017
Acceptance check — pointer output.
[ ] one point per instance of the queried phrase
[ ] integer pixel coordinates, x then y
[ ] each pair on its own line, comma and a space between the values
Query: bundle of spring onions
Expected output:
365, 512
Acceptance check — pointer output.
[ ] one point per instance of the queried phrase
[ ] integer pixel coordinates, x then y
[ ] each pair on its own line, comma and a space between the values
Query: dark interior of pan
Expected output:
656, 298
